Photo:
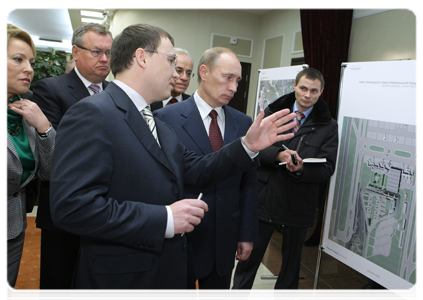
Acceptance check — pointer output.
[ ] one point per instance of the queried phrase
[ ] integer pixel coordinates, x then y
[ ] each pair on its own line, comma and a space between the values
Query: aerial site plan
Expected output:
374, 210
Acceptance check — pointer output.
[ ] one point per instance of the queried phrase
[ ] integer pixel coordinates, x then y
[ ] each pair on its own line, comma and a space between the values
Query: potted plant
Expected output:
48, 64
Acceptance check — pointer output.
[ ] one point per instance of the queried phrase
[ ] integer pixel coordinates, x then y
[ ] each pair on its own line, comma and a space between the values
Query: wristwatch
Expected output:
44, 134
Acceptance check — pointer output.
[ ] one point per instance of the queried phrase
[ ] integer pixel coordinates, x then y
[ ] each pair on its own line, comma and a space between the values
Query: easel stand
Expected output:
319, 253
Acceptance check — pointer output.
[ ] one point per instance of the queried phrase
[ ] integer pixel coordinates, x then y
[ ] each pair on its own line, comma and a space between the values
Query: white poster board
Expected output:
371, 211
274, 83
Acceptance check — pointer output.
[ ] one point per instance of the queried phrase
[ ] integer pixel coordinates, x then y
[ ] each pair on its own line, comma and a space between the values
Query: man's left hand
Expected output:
244, 250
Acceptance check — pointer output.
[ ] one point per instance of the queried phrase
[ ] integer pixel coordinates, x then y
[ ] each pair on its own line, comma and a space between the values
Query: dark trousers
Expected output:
288, 278
212, 281
14, 255
59, 253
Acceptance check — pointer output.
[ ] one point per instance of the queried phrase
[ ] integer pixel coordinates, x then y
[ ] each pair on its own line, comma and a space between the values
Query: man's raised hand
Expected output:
264, 132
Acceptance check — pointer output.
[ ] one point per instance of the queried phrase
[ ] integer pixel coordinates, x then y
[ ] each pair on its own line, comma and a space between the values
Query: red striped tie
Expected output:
300, 115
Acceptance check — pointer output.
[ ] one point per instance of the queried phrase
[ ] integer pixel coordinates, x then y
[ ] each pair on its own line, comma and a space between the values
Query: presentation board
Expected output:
370, 222
274, 83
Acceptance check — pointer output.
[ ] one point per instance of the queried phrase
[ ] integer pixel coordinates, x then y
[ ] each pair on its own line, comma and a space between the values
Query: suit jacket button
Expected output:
185, 247
15, 194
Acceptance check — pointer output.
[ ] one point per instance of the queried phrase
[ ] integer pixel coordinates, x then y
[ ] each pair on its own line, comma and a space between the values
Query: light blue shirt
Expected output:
305, 113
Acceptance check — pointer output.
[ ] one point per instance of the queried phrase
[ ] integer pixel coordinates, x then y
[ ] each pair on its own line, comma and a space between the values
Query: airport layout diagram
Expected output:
374, 210
271, 90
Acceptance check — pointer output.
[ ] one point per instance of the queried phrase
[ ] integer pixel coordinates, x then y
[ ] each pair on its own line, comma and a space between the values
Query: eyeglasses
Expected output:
181, 71
97, 53
171, 61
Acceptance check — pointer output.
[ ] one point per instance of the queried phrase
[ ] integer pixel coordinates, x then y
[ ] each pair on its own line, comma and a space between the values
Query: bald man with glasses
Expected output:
184, 66
91, 51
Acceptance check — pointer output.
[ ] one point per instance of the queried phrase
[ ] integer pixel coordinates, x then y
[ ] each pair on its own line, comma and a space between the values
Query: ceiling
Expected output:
58, 24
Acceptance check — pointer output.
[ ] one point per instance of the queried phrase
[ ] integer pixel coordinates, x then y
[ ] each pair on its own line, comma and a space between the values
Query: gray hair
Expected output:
79, 33
180, 50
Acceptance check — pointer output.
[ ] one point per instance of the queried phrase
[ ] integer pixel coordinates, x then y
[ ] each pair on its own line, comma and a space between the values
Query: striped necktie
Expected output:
95, 88
148, 117
300, 115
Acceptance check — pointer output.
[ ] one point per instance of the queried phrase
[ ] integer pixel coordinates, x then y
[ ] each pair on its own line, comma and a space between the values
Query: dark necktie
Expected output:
171, 101
95, 88
300, 115
215, 135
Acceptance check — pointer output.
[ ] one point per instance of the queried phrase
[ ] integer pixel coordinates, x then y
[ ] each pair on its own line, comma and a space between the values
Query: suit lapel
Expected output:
231, 127
78, 89
156, 105
193, 125
31, 141
138, 125
11, 147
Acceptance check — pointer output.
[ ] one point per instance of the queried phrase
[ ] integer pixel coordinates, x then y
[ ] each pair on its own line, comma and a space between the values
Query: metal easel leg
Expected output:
319, 257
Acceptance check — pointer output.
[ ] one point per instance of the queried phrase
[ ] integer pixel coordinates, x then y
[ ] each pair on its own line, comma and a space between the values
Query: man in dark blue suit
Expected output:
55, 95
230, 227
118, 175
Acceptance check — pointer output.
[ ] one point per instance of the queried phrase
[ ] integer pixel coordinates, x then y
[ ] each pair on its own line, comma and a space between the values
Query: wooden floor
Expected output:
336, 281
332, 275
29, 270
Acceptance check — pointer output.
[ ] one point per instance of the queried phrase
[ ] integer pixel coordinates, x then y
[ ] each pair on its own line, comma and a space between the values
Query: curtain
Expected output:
326, 39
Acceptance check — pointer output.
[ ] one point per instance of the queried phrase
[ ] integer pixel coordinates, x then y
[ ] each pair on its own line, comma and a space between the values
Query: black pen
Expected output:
293, 156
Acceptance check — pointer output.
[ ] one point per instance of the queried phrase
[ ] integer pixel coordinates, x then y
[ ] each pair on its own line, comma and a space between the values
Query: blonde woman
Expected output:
30, 142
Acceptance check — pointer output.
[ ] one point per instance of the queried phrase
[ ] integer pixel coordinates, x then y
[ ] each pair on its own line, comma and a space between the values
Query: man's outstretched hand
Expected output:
264, 132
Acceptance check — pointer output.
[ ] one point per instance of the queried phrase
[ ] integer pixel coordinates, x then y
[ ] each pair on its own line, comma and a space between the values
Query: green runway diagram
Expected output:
374, 209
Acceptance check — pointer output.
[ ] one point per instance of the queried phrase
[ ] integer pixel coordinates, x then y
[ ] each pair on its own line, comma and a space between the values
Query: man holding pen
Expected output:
118, 174
288, 193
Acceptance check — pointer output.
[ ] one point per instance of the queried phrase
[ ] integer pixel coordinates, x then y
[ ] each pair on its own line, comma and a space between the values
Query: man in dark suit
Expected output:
184, 67
55, 95
230, 227
118, 175
288, 193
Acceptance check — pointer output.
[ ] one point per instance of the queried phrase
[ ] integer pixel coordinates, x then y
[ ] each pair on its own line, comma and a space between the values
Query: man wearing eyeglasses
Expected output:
184, 67
118, 175
91, 51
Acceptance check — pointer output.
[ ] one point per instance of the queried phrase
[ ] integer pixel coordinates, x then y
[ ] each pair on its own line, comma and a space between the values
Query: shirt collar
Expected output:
138, 100
305, 113
85, 81
179, 98
205, 109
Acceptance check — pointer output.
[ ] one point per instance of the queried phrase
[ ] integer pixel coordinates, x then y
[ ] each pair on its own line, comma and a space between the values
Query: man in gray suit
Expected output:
55, 95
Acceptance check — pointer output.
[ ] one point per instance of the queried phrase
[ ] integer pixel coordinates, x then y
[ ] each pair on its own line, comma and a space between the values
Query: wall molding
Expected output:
361, 13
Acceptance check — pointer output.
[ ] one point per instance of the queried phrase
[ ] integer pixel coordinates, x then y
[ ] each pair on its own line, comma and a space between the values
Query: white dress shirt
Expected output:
205, 110
87, 83
140, 103
179, 98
